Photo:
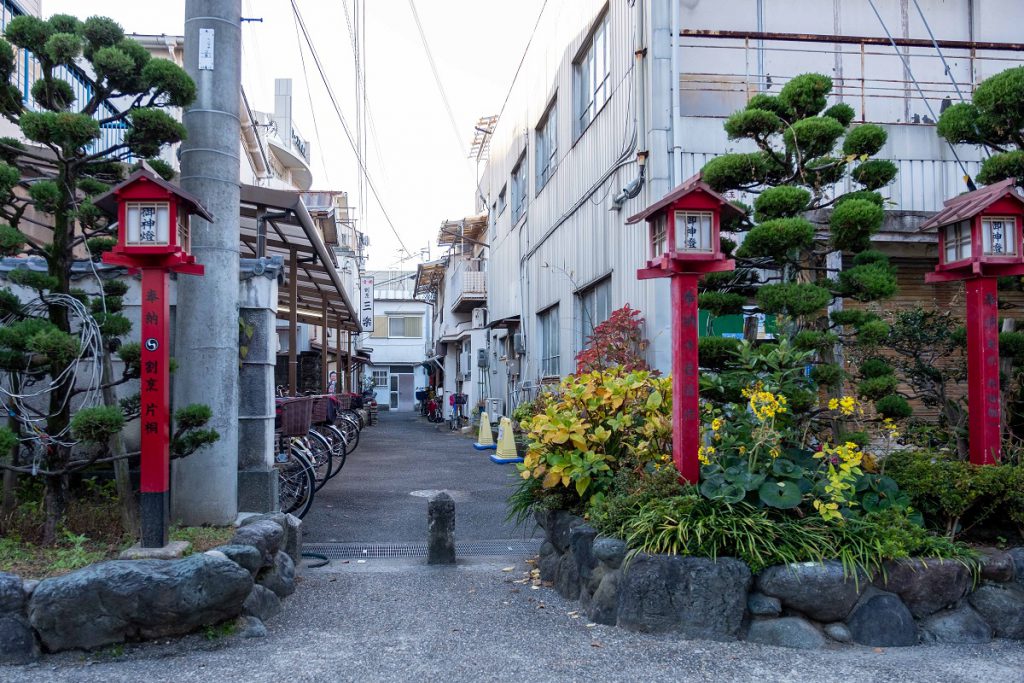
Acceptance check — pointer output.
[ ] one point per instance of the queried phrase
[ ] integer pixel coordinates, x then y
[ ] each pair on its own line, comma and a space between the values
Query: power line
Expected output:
312, 109
437, 78
344, 125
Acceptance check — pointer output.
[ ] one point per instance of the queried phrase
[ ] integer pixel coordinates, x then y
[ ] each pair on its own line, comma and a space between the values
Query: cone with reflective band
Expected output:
506, 452
485, 440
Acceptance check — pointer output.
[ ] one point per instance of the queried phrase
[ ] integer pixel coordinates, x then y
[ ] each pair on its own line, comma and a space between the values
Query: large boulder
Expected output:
559, 527
265, 535
926, 586
111, 602
881, 619
820, 590
280, 577
17, 641
1001, 605
12, 593
581, 541
954, 626
786, 632
695, 596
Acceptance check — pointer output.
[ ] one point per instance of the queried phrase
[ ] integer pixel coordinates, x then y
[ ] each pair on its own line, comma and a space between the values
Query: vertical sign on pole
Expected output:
366, 303
154, 408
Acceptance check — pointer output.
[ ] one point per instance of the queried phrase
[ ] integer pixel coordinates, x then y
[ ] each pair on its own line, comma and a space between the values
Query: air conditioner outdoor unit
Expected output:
519, 343
479, 318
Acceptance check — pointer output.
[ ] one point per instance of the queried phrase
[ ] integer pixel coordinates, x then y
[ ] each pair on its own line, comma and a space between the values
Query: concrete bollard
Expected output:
441, 530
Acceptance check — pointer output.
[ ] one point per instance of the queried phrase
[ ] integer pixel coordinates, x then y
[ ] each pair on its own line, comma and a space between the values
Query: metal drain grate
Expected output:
380, 551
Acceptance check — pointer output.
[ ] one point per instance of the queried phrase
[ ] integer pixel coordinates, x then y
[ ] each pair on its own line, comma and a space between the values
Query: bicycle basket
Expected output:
344, 401
319, 409
296, 415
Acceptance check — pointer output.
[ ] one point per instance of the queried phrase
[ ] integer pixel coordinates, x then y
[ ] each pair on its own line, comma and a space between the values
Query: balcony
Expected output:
469, 289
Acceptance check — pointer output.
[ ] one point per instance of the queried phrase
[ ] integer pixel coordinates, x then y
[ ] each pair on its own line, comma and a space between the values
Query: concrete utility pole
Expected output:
205, 485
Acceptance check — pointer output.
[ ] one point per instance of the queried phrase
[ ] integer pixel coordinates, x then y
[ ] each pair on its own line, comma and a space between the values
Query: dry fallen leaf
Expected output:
879, 650
591, 625
596, 644
508, 569
536, 588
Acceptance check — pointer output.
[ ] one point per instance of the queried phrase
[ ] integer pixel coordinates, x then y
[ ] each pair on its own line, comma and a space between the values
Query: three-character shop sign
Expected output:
366, 303
153, 237
980, 241
683, 237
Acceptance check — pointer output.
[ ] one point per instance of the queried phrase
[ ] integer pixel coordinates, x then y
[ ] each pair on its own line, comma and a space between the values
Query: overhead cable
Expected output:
344, 125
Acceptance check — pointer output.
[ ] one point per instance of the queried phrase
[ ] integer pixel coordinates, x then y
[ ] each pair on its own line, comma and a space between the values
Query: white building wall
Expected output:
674, 101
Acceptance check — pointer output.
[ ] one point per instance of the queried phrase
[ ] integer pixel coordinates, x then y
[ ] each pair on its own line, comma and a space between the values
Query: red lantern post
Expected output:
684, 241
153, 237
980, 241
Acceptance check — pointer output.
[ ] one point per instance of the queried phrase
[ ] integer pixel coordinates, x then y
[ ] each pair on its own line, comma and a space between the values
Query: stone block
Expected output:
251, 627
997, 565
839, 632
761, 605
610, 552
441, 530
279, 578
961, 625
1001, 605
175, 550
246, 556
881, 619
926, 586
697, 597
263, 534
18, 643
604, 603
548, 564
820, 590
262, 603
293, 539
1017, 555
581, 542
559, 525
12, 593
794, 632
111, 602
567, 577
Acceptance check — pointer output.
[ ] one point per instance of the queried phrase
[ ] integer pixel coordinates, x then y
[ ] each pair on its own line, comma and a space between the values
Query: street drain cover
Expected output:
380, 551
457, 496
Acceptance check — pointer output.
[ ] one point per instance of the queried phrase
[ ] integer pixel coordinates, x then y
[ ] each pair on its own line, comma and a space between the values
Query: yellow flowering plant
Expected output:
595, 424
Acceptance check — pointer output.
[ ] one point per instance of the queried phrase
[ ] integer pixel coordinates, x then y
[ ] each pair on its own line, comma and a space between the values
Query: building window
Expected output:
958, 241
591, 78
999, 235
595, 306
397, 327
546, 146
519, 189
547, 322
380, 378
405, 326
502, 199
693, 231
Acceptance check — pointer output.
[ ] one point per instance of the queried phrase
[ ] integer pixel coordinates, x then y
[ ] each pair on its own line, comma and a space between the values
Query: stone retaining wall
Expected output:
128, 600
805, 605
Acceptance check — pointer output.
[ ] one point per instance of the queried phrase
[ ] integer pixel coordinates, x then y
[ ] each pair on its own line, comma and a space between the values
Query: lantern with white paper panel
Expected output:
979, 241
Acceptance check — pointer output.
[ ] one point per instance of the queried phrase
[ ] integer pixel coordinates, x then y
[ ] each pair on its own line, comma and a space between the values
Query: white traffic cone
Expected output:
485, 440
506, 452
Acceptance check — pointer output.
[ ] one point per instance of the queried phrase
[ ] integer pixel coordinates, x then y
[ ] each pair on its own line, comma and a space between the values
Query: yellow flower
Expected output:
742, 450
847, 404
716, 424
833, 403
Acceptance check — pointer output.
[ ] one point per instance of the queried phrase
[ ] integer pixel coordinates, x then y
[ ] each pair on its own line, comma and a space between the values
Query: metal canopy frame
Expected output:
276, 223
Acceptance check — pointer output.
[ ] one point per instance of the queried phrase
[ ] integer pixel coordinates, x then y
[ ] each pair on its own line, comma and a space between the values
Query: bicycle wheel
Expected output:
296, 482
339, 446
321, 455
350, 428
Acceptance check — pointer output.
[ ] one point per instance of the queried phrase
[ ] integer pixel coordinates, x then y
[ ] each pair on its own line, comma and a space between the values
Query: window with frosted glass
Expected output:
148, 224
693, 231
659, 237
999, 236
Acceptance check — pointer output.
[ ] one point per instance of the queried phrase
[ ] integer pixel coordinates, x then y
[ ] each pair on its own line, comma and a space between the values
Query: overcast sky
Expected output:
415, 160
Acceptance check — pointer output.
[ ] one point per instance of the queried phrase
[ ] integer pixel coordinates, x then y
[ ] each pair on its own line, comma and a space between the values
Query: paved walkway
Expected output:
381, 494
399, 620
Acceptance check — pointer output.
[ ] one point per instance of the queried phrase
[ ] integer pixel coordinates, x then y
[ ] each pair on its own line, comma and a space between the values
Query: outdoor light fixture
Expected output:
979, 241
